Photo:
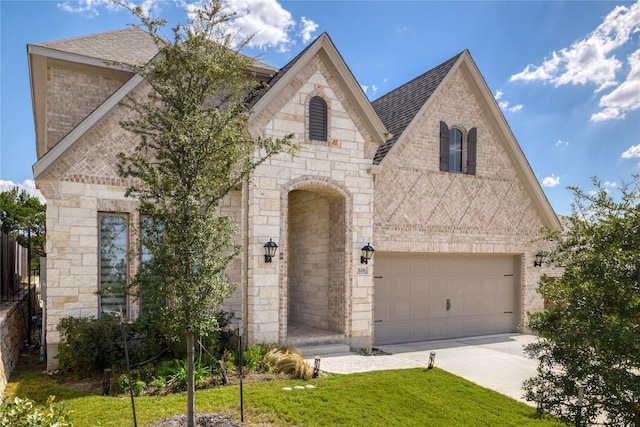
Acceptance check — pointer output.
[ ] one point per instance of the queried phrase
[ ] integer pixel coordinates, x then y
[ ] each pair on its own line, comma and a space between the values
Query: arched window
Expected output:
317, 119
456, 153
455, 150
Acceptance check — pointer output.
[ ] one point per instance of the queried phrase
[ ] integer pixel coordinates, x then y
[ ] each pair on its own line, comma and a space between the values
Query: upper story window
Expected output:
317, 119
457, 153
113, 266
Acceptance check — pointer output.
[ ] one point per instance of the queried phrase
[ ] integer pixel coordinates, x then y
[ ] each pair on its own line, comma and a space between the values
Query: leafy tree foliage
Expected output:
194, 148
21, 213
590, 332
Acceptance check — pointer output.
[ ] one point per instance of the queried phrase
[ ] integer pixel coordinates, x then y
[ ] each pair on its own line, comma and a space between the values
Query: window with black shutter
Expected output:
458, 154
317, 119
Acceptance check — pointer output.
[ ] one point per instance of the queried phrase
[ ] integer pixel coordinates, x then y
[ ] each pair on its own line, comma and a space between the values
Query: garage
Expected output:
419, 297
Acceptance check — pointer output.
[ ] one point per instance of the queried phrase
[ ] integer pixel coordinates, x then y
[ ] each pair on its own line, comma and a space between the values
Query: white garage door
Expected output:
428, 297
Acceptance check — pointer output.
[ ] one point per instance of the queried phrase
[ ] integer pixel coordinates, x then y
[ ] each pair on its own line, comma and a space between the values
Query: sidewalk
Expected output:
496, 362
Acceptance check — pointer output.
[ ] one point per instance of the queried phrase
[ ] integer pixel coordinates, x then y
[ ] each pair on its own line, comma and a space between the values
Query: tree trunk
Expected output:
191, 390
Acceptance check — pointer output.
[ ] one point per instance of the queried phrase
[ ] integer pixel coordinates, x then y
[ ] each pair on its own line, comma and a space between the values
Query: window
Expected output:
114, 263
317, 119
456, 153
455, 150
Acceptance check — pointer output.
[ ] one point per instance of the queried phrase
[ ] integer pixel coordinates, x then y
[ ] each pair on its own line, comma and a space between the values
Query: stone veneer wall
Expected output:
339, 165
13, 332
418, 208
309, 240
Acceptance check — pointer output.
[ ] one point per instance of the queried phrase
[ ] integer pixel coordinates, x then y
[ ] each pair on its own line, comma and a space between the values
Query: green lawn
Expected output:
407, 397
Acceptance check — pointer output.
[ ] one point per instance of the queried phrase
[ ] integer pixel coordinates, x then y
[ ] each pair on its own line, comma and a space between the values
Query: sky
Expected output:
566, 74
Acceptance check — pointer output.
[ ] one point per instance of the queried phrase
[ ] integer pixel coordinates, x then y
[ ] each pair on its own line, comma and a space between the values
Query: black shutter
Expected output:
471, 151
317, 119
444, 147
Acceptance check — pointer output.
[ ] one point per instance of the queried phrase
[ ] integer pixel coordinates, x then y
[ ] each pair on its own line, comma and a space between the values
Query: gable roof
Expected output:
132, 46
323, 45
397, 108
416, 94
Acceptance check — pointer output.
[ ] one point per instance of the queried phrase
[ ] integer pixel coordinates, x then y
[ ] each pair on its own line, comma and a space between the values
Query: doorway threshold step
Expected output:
310, 351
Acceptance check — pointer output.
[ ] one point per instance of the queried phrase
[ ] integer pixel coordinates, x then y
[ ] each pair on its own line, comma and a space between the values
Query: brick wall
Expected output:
418, 208
74, 91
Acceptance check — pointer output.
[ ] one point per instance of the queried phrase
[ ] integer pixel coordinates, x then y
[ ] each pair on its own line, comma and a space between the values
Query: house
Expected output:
429, 175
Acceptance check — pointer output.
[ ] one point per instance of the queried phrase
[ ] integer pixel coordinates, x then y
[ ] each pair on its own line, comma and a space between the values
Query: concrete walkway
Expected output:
496, 362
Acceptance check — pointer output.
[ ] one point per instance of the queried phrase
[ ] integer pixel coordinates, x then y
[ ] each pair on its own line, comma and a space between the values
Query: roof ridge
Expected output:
88, 36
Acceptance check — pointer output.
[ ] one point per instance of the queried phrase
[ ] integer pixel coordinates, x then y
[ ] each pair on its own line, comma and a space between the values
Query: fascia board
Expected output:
72, 57
42, 165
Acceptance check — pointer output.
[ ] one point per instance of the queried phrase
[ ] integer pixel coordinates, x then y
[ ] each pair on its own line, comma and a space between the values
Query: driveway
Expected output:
496, 362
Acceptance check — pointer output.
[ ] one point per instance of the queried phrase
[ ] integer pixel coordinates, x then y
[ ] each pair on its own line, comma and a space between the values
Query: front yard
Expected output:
407, 397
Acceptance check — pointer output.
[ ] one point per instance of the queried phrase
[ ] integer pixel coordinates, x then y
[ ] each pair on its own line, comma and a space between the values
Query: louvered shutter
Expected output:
317, 119
444, 147
471, 151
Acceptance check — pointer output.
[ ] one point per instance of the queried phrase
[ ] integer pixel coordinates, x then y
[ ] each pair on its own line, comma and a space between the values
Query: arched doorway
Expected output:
316, 277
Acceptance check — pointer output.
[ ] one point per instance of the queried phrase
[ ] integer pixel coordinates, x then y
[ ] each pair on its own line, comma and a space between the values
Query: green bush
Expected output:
124, 384
89, 345
18, 412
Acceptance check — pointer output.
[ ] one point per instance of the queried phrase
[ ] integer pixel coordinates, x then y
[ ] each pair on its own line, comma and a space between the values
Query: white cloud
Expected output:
92, 8
506, 105
633, 151
266, 21
609, 184
364, 88
551, 181
307, 28
28, 185
561, 143
625, 97
591, 61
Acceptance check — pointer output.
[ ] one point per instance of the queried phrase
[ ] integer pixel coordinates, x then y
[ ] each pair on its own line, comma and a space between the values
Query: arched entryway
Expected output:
315, 285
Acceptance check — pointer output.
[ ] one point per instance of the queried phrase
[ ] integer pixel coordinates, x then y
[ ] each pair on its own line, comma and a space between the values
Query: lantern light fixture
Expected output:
270, 249
539, 259
367, 253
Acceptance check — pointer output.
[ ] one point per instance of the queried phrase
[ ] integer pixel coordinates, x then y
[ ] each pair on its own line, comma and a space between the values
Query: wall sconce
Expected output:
270, 249
367, 253
539, 259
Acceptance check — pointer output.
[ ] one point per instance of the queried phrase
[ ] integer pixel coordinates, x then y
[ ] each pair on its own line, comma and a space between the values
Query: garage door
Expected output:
422, 297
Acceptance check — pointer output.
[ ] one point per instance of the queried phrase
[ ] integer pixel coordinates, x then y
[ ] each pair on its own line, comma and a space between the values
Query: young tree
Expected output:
194, 148
590, 332
23, 216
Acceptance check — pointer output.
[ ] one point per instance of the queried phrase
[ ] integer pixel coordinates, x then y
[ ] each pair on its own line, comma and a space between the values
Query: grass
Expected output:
406, 397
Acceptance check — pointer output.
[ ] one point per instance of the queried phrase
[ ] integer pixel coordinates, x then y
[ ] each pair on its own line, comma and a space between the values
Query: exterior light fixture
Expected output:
539, 258
432, 359
270, 249
367, 253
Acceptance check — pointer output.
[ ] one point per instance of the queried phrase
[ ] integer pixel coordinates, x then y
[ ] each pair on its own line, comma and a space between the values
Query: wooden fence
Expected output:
14, 268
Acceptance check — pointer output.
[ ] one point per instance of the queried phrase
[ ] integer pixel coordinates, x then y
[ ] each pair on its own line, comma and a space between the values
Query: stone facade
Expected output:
321, 205
13, 331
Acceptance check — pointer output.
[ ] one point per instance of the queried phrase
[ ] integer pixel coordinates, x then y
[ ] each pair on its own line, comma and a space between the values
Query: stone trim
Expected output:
331, 188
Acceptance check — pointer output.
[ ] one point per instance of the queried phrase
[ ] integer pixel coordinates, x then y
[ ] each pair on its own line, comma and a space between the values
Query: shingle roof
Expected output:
132, 46
280, 73
397, 108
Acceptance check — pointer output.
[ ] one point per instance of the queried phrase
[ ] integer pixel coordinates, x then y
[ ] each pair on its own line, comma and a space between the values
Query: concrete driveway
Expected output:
496, 362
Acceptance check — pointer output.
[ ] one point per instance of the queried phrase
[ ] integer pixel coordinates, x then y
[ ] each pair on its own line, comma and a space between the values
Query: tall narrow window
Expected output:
455, 150
317, 119
114, 263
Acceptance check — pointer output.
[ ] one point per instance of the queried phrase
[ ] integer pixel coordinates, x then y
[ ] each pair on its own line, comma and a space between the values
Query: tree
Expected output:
194, 148
23, 216
590, 332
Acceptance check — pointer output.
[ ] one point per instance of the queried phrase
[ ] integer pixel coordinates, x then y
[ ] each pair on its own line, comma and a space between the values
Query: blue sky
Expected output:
565, 73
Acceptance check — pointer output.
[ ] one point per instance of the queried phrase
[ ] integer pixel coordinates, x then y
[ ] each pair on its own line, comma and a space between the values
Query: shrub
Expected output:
89, 344
289, 362
178, 373
124, 384
18, 412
